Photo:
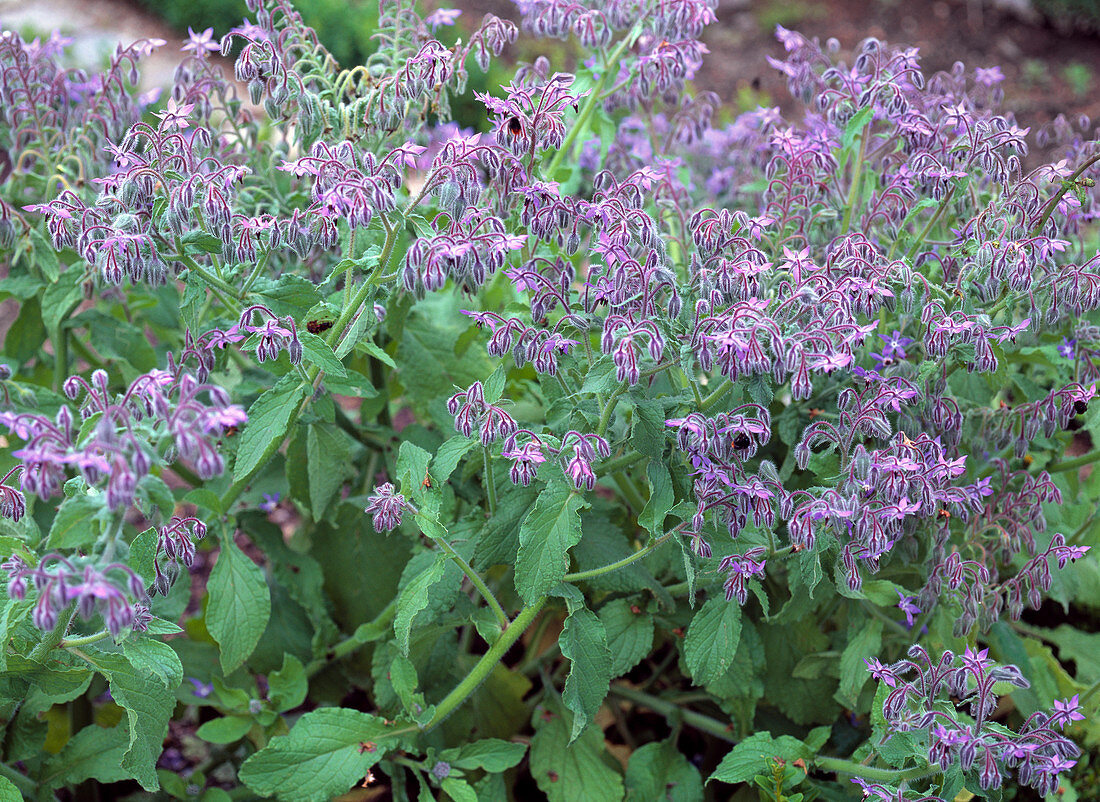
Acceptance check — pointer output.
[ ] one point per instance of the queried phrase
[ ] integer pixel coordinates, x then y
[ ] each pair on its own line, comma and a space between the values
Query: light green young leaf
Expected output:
326, 753
545, 537
583, 642
750, 757
239, 606
76, 523
268, 421
711, 640
491, 754
318, 354
287, 687
448, 455
459, 790
225, 730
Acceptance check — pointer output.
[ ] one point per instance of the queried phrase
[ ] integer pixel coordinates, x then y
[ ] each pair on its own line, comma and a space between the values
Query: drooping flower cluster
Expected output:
962, 732
386, 507
59, 582
163, 416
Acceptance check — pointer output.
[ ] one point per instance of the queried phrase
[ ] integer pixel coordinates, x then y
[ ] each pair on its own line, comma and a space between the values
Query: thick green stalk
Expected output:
619, 463
485, 665
850, 767
1064, 466
369, 632
68, 643
27, 787
671, 710
653, 545
477, 582
857, 175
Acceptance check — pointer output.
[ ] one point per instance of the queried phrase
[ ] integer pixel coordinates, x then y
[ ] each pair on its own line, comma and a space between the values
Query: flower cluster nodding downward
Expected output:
961, 732
386, 507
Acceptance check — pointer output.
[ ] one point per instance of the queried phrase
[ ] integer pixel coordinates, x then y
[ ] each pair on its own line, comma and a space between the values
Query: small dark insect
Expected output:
317, 326
230, 431
741, 441
1079, 407
514, 126
427, 481
755, 84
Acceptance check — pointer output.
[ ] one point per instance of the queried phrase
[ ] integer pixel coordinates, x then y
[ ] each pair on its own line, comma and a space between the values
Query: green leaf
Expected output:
287, 687
202, 241
360, 326
76, 523
751, 756
12, 612
61, 297
583, 642
568, 771
448, 455
853, 671
491, 754
239, 606
225, 730
459, 790
412, 467
660, 771
154, 658
629, 635
320, 355
328, 450
268, 421
414, 598
661, 497
855, 126
94, 753
289, 294
545, 537
711, 640
326, 753
148, 705
8, 791
369, 347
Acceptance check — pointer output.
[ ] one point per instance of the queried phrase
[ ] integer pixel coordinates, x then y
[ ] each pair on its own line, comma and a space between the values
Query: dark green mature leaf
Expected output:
148, 705
289, 294
448, 455
325, 753
629, 635
239, 607
648, 433
414, 598
751, 756
711, 640
583, 642
11, 613
491, 754
328, 450
660, 771
412, 467
94, 753
268, 420
61, 297
545, 537
569, 771
661, 497
498, 541
865, 643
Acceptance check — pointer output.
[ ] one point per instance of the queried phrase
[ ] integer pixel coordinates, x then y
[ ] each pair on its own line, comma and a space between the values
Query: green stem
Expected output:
484, 666
1065, 466
909, 254
671, 710
27, 787
490, 482
609, 407
619, 463
857, 175
1089, 693
629, 491
68, 643
653, 545
1052, 204
207, 276
716, 395
477, 581
610, 66
842, 766
255, 274
61, 356
369, 632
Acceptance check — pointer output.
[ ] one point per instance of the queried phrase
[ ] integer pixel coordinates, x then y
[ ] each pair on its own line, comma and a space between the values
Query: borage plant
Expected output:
601, 451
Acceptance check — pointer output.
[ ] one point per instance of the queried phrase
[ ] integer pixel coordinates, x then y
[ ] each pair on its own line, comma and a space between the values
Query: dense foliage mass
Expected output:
611, 451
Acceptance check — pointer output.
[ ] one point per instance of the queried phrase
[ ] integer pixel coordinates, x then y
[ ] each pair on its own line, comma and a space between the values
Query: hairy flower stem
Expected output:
28, 787
1052, 204
477, 582
69, 643
1064, 466
653, 545
594, 98
490, 482
857, 175
482, 668
842, 766
609, 407
619, 463
716, 395
671, 710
